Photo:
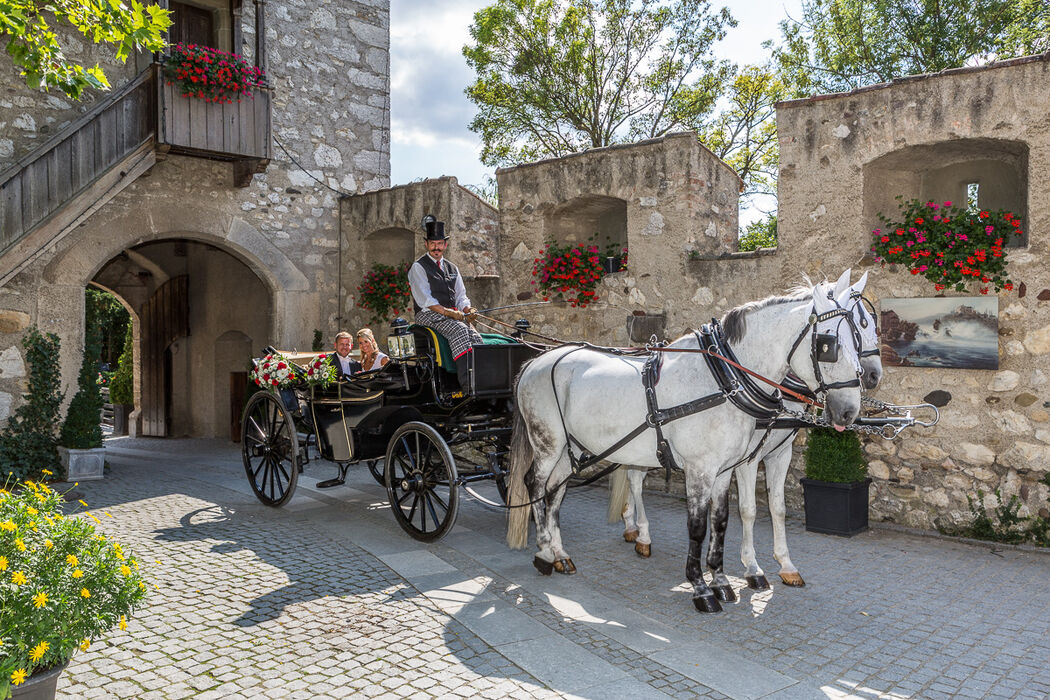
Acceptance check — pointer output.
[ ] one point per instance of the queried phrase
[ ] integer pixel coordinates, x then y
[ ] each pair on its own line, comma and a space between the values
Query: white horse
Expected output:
578, 398
626, 484
625, 492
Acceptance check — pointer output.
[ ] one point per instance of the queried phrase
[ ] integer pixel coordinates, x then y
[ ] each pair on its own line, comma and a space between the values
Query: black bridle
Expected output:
824, 347
859, 299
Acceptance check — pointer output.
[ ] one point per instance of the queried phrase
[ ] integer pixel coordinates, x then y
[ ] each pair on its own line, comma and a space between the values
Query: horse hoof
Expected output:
725, 593
707, 603
565, 566
643, 550
792, 579
758, 583
543, 566
630, 535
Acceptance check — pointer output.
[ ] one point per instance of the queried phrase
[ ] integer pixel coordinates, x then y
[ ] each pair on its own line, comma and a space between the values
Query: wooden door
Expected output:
238, 388
191, 25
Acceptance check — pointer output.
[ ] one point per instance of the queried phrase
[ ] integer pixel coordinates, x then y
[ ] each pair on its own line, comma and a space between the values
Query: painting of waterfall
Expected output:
957, 332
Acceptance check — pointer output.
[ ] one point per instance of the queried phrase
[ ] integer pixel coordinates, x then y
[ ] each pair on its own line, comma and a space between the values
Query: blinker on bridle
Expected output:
863, 301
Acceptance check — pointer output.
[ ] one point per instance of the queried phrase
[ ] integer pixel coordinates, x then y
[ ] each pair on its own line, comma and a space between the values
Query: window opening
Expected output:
973, 196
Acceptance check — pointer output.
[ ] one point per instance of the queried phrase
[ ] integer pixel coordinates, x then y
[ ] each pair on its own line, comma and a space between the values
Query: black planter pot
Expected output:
834, 508
39, 686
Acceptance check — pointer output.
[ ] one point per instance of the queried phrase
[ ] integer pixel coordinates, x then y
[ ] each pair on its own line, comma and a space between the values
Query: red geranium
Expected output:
211, 75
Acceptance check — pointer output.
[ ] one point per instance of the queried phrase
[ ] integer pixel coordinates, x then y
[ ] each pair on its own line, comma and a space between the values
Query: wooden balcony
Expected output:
238, 132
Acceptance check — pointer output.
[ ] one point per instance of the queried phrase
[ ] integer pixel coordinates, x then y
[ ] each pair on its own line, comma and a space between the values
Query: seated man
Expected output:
441, 300
344, 364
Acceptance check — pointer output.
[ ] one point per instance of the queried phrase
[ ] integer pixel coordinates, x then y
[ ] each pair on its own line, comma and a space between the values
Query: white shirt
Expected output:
344, 363
417, 278
376, 363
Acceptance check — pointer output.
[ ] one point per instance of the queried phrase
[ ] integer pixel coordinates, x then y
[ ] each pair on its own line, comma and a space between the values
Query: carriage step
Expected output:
329, 483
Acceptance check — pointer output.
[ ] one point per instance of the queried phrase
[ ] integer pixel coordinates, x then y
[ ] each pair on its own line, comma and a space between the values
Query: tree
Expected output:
1029, 31
557, 76
34, 47
103, 310
81, 429
744, 134
840, 45
760, 234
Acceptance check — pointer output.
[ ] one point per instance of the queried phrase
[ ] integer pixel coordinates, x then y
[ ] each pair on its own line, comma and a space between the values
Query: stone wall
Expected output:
385, 226
843, 159
329, 69
672, 199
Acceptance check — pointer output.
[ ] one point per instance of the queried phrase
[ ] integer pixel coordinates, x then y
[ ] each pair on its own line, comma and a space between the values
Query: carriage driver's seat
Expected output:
426, 336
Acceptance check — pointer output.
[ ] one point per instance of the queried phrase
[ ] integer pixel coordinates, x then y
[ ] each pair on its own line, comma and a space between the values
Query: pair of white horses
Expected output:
598, 398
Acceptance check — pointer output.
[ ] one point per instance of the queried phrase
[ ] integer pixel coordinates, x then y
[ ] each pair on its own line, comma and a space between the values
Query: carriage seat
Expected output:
442, 350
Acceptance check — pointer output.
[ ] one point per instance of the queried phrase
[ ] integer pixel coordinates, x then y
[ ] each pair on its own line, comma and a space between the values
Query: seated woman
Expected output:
371, 357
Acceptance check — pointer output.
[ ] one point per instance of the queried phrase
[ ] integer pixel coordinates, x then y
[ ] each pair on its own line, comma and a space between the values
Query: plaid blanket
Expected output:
460, 335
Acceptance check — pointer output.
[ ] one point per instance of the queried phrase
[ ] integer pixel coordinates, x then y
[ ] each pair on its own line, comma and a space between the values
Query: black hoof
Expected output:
707, 603
565, 566
544, 567
759, 583
725, 593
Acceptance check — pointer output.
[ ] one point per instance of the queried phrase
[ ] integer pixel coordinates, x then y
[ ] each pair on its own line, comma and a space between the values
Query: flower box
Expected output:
83, 465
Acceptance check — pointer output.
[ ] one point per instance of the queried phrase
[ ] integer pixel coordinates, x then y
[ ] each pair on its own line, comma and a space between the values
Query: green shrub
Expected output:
81, 429
835, 456
27, 443
318, 344
121, 387
759, 234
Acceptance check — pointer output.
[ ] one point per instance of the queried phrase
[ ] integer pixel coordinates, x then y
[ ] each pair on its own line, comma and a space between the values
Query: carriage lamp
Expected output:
400, 343
521, 326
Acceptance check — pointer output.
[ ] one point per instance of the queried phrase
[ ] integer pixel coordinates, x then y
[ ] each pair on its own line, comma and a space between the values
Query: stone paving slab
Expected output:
327, 597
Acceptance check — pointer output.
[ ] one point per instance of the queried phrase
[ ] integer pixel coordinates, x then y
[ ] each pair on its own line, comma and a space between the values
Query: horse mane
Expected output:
734, 322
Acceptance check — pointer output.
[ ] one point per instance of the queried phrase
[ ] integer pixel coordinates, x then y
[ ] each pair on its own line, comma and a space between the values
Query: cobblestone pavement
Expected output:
327, 597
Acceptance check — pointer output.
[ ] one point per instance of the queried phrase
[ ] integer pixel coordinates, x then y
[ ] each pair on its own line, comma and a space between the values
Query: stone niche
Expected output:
590, 219
993, 171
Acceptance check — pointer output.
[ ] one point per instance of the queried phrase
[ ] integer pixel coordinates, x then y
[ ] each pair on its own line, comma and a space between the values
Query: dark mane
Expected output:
734, 323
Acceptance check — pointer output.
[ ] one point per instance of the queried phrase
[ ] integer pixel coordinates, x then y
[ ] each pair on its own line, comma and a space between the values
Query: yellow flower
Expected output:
46, 472
18, 677
32, 510
37, 652
8, 525
135, 564
85, 593
77, 573
72, 560
18, 578
92, 516
125, 569
84, 644
40, 497
20, 545
3, 563
100, 538
142, 586
83, 502
58, 516
40, 599
108, 514
123, 622
31, 484
49, 544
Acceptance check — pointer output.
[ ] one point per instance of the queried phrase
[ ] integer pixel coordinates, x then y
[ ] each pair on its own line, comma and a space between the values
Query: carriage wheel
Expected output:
270, 448
421, 481
377, 472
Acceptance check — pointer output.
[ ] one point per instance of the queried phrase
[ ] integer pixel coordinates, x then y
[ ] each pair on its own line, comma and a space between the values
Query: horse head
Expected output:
826, 358
866, 323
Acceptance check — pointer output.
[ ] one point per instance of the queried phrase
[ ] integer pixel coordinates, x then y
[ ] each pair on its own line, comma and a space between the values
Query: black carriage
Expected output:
432, 435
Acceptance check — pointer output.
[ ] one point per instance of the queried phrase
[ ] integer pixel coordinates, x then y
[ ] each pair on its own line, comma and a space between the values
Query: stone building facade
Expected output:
262, 260
843, 160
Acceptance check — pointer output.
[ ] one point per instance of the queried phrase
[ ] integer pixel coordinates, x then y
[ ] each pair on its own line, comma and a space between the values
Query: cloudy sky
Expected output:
429, 110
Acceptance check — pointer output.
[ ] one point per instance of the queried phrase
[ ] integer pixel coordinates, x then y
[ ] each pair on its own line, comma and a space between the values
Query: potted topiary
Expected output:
836, 483
27, 442
63, 585
80, 440
121, 387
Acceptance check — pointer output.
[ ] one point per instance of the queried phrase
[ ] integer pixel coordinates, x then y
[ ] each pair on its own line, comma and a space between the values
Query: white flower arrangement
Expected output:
274, 372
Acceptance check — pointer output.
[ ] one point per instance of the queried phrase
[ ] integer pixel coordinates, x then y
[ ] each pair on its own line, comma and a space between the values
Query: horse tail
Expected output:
521, 457
617, 494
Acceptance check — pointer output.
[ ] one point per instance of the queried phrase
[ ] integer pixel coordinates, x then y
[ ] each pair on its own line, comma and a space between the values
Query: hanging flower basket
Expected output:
385, 291
211, 75
571, 272
950, 246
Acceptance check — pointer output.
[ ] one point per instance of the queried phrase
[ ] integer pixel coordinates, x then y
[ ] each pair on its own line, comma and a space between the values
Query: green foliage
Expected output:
27, 443
104, 310
63, 584
122, 386
33, 45
318, 344
554, 77
81, 429
760, 234
744, 134
1029, 31
834, 456
1004, 523
840, 45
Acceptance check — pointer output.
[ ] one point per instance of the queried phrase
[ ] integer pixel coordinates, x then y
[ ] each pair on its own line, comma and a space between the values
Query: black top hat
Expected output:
433, 229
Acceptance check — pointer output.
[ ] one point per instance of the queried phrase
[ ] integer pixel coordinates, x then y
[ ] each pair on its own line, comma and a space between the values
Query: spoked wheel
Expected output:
270, 448
421, 481
377, 472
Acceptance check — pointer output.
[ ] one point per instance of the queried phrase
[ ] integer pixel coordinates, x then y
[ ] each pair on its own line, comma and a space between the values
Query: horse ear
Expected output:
821, 301
843, 282
859, 286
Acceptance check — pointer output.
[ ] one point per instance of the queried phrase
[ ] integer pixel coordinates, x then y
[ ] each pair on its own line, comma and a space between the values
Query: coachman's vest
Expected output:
442, 282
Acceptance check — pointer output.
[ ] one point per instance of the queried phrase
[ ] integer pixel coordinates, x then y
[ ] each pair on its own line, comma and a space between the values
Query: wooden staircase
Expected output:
55, 188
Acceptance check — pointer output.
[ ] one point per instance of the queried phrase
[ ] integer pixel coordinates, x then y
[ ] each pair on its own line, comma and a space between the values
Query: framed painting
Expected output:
955, 332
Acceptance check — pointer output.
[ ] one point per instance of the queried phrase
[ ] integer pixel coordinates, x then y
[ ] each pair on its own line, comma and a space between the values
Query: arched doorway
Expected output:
200, 315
